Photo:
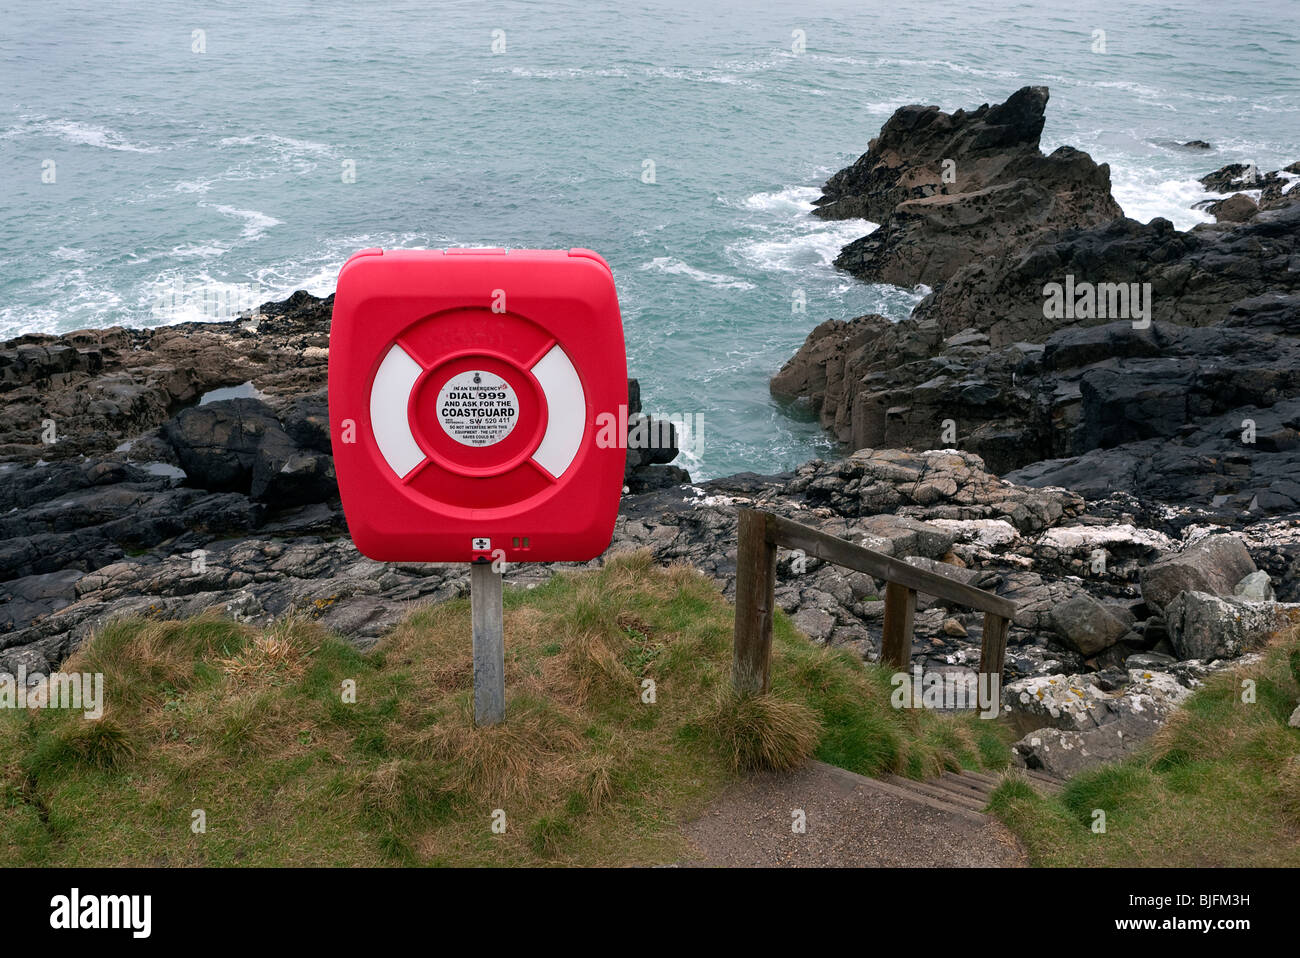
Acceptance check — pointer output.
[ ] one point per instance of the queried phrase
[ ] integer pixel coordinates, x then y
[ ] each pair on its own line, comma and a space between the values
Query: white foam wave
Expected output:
698, 76
200, 250
715, 75
286, 143
673, 266
777, 58
319, 281
72, 299
77, 133
255, 223
815, 245
565, 73
172, 297
193, 186
319, 272
1144, 194
791, 200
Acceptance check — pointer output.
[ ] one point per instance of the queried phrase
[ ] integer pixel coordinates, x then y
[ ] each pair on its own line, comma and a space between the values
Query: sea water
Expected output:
164, 161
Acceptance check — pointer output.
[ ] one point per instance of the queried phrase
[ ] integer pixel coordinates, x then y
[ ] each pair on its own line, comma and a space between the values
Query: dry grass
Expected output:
102, 743
620, 725
282, 652
1218, 785
533, 752
764, 732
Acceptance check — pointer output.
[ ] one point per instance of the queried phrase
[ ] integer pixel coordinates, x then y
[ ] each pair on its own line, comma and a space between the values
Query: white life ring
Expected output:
390, 395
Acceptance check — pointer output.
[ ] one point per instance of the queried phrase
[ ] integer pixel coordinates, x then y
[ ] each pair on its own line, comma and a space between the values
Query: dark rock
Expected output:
1275, 188
949, 189
1195, 277
217, 444
307, 421
1087, 626
285, 475
649, 478
1182, 394
1214, 565
1204, 626
1237, 208
26, 599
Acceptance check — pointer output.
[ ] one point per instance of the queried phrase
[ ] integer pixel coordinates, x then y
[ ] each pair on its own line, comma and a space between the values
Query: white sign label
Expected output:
477, 408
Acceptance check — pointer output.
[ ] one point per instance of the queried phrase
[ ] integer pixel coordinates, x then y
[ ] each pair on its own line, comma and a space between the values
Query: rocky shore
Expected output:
1152, 372
1132, 486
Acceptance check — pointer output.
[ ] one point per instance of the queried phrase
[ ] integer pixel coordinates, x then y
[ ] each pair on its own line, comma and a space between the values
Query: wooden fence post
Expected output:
755, 603
993, 649
896, 640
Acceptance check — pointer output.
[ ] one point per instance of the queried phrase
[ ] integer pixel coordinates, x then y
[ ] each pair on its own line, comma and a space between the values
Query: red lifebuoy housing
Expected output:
464, 388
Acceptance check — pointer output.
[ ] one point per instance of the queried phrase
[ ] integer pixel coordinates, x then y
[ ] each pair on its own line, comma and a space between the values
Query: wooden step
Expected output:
958, 787
910, 794
981, 789
937, 793
959, 791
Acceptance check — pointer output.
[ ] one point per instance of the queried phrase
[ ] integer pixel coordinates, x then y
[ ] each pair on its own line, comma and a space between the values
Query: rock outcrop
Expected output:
1150, 371
158, 470
1116, 358
1204, 626
949, 189
1246, 185
1215, 565
1196, 277
1108, 356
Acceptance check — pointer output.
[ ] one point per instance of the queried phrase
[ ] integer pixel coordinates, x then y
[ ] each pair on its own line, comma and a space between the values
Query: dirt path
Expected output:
851, 821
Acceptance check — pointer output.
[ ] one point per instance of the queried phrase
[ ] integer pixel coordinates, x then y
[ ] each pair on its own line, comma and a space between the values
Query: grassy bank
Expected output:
251, 727
1219, 785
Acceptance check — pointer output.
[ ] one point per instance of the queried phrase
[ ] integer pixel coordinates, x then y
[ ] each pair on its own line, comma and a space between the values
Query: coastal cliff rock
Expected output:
1169, 412
1165, 398
85, 392
1171, 376
1196, 277
949, 189
172, 443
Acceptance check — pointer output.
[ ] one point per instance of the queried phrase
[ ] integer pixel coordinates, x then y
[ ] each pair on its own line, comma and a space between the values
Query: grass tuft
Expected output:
763, 732
101, 743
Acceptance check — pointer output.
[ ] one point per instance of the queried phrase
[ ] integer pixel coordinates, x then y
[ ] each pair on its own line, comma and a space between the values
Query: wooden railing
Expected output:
761, 533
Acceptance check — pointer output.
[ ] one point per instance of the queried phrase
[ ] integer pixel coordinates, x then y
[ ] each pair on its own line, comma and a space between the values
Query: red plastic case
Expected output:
464, 390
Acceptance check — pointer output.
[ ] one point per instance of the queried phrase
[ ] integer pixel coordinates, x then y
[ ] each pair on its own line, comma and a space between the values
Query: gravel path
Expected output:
851, 821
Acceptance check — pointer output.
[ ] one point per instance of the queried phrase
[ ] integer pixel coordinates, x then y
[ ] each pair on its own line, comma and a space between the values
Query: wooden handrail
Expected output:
792, 535
759, 535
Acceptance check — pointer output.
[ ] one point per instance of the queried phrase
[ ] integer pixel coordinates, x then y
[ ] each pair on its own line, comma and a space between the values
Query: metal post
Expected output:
489, 644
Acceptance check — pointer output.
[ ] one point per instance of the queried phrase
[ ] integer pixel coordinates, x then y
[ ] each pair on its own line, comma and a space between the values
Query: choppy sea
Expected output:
164, 162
